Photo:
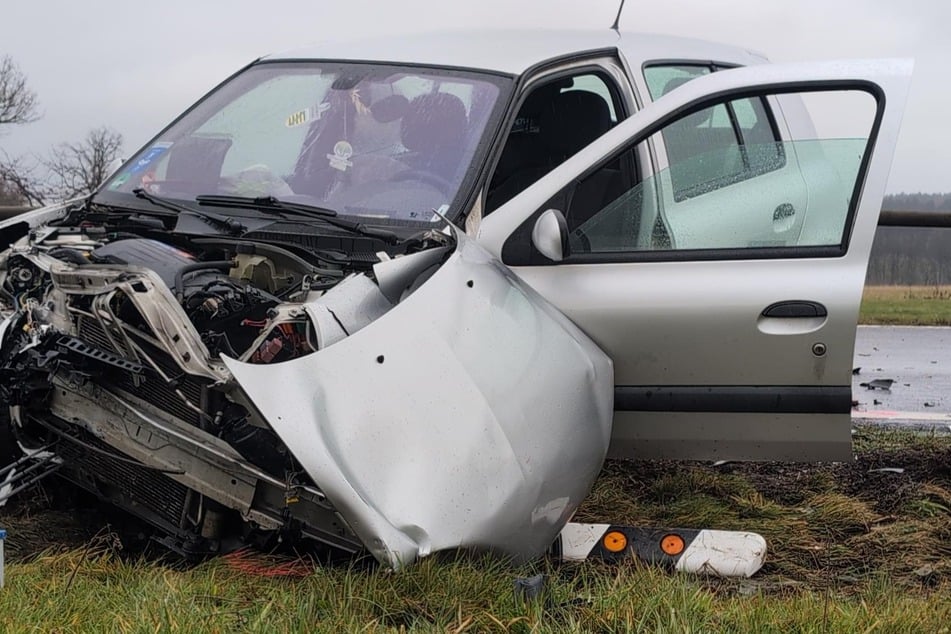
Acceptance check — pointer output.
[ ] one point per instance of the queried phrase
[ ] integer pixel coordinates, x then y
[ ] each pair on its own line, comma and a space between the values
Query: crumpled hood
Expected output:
473, 414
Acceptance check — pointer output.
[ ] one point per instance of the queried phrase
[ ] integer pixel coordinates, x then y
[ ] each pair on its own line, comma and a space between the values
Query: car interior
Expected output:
556, 120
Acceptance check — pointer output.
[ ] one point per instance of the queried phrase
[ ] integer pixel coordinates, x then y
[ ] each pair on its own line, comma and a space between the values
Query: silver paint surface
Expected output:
471, 415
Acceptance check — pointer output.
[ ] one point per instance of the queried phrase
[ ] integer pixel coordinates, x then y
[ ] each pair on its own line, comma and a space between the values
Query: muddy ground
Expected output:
888, 513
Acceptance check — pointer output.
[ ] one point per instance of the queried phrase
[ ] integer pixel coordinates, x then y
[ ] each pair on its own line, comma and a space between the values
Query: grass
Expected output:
851, 549
108, 594
906, 305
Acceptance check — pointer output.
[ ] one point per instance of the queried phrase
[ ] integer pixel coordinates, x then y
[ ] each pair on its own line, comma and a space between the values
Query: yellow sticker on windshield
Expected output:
296, 119
307, 114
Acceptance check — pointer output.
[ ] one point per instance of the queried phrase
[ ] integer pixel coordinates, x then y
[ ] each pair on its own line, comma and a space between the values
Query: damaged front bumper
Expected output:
441, 407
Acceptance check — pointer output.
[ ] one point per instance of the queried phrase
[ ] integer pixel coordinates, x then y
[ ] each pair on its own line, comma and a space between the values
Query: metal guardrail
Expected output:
896, 218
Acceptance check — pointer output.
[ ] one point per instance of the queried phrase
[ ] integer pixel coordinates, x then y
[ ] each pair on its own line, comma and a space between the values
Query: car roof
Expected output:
515, 51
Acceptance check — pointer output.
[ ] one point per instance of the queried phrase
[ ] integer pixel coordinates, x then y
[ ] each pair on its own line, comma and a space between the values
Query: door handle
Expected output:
795, 308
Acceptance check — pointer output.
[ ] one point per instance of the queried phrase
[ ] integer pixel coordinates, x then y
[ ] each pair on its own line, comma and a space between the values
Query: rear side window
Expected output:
662, 79
717, 146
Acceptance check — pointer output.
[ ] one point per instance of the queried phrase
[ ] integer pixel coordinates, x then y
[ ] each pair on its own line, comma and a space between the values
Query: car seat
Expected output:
433, 130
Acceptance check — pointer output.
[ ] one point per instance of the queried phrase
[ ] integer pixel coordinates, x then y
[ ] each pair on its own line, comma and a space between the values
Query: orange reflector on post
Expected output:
672, 544
614, 541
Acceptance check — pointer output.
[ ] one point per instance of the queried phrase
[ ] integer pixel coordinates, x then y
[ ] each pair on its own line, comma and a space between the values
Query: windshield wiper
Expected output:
230, 225
264, 202
272, 205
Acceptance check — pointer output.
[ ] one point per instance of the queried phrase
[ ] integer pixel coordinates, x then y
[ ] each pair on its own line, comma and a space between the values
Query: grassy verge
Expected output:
108, 595
852, 548
906, 305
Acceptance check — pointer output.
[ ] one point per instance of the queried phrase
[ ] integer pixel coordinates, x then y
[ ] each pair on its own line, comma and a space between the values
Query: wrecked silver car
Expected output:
256, 364
409, 305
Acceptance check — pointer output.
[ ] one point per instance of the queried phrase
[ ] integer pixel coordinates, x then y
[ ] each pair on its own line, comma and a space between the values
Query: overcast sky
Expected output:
135, 66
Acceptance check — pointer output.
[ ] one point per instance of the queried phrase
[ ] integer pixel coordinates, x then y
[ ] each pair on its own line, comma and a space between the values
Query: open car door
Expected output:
724, 274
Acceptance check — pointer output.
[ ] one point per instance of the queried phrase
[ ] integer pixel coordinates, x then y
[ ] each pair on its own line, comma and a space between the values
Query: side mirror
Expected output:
550, 235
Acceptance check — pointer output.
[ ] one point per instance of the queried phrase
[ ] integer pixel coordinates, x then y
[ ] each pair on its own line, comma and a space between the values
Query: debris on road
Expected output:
878, 384
529, 588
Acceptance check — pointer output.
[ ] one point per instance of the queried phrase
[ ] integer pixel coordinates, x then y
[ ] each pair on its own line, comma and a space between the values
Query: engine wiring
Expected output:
121, 311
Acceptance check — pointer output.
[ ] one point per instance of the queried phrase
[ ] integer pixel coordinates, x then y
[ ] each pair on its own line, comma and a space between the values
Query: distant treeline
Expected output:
912, 255
917, 202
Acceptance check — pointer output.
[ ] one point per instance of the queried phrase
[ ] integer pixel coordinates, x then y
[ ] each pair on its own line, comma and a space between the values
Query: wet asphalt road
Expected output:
919, 361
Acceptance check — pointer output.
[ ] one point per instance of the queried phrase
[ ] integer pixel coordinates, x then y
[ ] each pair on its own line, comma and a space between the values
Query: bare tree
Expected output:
72, 169
18, 104
18, 185
8, 195
76, 169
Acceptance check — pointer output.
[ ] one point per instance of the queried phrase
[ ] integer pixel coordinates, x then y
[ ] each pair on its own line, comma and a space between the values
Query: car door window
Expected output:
556, 119
719, 145
731, 189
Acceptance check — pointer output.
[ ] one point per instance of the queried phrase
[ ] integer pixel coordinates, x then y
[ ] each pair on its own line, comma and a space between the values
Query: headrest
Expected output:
696, 119
389, 108
433, 121
574, 119
676, 82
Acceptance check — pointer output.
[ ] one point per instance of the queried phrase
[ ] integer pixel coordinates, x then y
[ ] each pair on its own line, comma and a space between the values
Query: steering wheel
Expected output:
423, 176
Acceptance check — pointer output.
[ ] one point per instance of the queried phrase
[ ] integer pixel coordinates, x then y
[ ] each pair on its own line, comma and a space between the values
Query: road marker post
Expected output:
698, 551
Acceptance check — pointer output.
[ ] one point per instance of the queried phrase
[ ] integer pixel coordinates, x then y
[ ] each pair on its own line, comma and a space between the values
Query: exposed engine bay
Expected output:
354, 390
112, 370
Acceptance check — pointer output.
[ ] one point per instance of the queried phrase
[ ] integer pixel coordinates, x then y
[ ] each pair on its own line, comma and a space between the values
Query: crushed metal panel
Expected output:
395, 276
346, 308
472, 415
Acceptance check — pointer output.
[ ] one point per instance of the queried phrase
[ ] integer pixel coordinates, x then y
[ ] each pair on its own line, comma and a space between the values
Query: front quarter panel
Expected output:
471, 415
14, 227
